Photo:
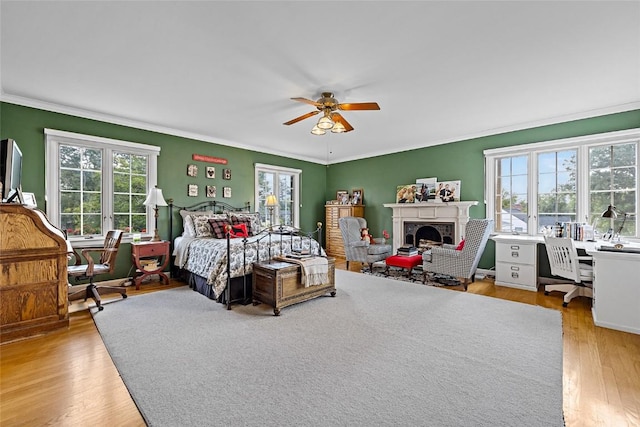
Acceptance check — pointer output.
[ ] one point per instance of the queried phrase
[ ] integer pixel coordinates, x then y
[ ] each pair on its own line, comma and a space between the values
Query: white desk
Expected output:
616, 286
616, 289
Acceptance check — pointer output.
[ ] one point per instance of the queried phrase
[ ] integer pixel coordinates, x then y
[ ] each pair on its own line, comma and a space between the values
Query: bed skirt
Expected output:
238, 284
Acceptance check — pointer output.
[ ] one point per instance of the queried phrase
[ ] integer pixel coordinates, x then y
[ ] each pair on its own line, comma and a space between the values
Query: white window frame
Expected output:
55, 138
297, 173
582, 145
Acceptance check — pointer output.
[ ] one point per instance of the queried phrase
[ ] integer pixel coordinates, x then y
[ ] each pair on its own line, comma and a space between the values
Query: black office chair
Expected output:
91, 269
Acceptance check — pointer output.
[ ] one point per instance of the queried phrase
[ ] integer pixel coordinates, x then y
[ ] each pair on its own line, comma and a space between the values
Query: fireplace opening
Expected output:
424, 235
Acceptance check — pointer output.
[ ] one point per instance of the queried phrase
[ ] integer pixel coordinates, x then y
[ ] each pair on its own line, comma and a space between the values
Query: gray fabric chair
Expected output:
446, 260
359, 250
565, 262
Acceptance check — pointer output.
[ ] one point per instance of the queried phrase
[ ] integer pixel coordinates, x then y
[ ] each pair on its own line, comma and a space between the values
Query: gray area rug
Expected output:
381, 353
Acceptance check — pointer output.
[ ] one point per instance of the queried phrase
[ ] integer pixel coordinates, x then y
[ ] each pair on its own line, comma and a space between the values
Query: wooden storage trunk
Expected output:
278, 285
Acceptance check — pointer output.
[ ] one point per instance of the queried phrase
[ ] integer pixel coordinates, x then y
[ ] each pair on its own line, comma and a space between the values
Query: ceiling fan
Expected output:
331, 119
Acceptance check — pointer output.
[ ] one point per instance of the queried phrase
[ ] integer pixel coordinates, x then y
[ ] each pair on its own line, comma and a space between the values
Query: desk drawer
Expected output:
149, 250
515, 252
517, 274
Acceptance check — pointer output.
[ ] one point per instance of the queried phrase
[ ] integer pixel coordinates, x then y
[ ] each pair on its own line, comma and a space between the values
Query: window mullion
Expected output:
532, 196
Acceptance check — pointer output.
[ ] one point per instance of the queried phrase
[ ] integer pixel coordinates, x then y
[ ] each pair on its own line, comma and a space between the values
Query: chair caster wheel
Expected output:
124, 296
564, 304
546, 292
100, 308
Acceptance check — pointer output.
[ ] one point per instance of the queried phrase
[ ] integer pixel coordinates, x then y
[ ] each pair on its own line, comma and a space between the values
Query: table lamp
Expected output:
613, 212
155, 199
271, 202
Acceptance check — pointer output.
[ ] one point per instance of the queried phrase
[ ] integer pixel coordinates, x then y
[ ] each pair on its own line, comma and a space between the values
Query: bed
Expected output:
216, 244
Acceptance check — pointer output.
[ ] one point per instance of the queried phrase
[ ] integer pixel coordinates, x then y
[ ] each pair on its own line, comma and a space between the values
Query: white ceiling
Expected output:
225, 71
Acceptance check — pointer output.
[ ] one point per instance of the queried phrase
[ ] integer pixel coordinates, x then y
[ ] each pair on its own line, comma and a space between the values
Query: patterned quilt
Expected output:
207, 257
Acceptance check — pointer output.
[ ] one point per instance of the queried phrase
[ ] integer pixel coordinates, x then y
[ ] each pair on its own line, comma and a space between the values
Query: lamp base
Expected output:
156, 237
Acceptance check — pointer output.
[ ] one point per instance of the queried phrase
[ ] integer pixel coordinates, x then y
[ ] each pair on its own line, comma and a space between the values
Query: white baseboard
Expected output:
483, 273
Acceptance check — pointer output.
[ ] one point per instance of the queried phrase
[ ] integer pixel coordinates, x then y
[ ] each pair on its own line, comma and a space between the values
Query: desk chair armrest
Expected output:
585, 258
90, 262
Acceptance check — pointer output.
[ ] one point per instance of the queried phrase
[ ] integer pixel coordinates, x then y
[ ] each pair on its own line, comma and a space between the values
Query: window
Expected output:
532, 186
99, 184
284, 183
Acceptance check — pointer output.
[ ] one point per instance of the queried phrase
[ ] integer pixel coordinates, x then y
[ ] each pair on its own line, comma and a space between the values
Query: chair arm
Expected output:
90, 262
585, 258
448, 246
444, 252
380, 240
359, 244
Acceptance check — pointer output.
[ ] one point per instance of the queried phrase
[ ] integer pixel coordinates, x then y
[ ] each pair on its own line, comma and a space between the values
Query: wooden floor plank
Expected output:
67, 377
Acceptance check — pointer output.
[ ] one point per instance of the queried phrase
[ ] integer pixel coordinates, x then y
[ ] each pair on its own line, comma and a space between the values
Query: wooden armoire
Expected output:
33, 274
335, 244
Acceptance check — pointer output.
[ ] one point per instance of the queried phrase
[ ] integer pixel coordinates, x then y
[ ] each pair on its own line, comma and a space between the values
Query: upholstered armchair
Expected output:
359, 250
460, 264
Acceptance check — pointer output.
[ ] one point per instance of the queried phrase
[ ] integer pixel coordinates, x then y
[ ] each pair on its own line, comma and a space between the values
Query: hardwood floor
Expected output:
67, 377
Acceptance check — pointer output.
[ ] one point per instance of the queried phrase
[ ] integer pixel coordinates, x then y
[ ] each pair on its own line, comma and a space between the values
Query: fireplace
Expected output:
425, 234
428, 224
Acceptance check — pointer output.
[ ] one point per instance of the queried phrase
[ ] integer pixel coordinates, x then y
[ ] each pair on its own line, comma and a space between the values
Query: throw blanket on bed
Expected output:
315, 271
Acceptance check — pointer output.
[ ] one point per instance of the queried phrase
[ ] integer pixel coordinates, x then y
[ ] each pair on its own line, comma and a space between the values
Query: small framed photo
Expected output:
211, 191
343, 197
357, 196
192, 170
211, 172
226, 192
193, 190
29, 200
226, 174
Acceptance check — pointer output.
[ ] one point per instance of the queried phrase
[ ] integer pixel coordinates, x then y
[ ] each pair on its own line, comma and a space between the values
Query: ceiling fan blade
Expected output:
307, 101
359, 106
337, 117
304, 116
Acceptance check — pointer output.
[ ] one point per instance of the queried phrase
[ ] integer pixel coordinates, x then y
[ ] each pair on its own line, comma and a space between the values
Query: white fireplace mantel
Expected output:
446, 212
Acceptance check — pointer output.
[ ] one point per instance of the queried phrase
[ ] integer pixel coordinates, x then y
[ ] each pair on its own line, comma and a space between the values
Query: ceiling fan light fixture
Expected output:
325, 123
317, 131
338, 128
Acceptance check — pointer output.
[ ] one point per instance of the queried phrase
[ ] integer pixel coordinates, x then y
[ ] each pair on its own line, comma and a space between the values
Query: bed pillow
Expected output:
218, 227
251, 219
188, 230
239, 230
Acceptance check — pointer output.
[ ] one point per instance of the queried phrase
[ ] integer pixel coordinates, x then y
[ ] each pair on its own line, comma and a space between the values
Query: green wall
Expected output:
378, 176
26, 125
463, 160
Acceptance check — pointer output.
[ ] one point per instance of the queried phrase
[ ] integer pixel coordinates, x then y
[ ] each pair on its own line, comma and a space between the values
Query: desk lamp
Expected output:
613, 212
155, 199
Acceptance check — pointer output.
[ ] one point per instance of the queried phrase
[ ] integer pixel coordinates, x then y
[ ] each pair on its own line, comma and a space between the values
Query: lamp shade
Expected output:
317, 131
611, 212
155, 198
338, 128
271, 201
325, 123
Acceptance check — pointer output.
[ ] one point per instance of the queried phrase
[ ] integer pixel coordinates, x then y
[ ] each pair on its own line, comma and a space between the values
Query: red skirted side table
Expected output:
403, 262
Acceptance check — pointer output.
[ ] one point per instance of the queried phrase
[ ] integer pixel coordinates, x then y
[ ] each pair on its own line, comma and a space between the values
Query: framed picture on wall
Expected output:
211, 172
226, 174
192, 170
226, 192
192, 190
211, 191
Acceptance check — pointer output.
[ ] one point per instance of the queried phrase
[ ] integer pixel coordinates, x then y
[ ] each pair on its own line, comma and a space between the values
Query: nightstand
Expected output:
150, 258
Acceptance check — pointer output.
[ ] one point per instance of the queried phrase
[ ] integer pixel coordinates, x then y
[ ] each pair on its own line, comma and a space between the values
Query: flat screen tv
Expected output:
10, 171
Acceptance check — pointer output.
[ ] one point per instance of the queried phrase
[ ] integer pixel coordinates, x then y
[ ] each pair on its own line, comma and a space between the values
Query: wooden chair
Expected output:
565, 262
105, 264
